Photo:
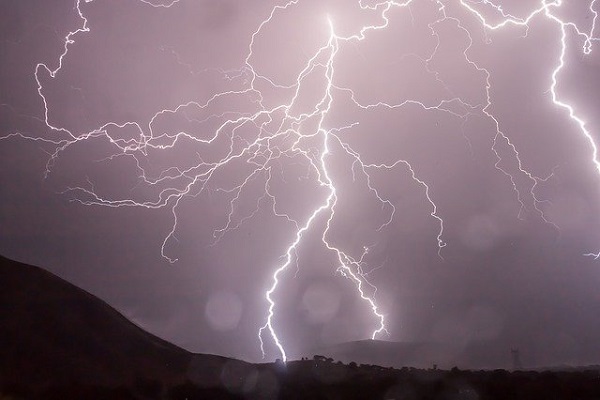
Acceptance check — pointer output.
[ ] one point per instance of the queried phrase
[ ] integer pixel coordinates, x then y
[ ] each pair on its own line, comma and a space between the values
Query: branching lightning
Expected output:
281, 133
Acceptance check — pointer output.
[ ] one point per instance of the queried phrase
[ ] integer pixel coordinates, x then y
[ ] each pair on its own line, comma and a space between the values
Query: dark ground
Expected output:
326, 380
60, 342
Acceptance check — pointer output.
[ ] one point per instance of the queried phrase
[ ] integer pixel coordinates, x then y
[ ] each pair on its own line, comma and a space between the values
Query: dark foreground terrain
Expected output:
325, 380
59, 342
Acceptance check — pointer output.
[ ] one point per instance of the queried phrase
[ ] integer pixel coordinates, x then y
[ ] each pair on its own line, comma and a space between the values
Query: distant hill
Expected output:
53, 333
478, 355
60, 342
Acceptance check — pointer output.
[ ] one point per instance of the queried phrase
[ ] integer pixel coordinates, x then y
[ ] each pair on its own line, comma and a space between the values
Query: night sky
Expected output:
167, 157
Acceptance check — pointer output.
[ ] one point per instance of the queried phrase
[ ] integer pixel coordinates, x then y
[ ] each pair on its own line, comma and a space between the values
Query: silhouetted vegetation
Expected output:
61, 343
322, 378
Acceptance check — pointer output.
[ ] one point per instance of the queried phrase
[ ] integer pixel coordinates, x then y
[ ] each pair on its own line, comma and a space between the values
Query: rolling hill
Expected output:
477, 355
60, 342
53, 333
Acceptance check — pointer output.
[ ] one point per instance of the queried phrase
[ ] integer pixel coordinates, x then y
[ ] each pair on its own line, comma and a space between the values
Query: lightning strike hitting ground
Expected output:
281, 133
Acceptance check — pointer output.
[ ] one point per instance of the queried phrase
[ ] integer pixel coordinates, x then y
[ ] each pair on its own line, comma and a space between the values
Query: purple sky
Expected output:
191, 132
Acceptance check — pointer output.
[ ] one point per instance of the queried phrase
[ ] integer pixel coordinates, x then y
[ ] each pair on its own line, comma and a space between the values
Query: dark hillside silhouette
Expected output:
60, 342
474, 355
54, 332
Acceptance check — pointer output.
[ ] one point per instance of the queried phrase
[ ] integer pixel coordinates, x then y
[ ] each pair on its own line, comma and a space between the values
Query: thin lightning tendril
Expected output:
281, 136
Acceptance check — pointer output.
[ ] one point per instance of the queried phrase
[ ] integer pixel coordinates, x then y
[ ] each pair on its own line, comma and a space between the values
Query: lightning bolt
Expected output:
545, 9
257, 141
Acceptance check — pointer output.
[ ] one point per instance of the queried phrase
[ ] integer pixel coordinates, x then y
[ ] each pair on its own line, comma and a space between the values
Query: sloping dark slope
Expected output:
52, 332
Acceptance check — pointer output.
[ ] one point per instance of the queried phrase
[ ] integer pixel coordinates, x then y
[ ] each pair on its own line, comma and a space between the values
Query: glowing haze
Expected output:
270, 146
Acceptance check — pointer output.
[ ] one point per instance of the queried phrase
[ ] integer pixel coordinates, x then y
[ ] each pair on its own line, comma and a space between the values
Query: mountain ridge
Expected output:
54, 332
475, 355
